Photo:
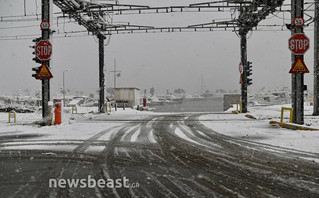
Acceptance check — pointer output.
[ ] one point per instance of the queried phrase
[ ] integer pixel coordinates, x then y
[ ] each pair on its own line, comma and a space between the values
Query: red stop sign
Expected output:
43, 50
299, 44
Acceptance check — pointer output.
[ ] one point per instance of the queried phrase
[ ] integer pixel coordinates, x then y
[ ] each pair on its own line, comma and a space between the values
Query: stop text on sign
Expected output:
299, 44
43, 50
296, 44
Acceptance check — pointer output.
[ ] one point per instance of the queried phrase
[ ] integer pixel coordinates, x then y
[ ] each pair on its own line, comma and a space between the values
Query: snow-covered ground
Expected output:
74, 128
259, 130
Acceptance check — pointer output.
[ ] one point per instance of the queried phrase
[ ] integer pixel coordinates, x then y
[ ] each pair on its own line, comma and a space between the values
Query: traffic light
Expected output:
36, 69
36, 59
249, 81
36, 40
249, 73
249, 68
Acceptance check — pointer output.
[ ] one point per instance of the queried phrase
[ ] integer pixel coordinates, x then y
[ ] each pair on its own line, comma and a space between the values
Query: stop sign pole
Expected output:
316, 63
45, 50
297, 44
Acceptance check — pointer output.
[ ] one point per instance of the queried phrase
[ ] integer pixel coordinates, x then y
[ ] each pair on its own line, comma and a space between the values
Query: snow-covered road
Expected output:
168, 155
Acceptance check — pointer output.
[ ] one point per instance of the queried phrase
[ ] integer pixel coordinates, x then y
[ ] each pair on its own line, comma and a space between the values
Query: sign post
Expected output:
298, 44
43, 52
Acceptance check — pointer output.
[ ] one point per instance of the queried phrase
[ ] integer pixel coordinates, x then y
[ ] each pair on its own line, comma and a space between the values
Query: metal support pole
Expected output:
63, 90
297, 80
64, 87
46, 82
316, 62
114, 73
101, 73
243, 53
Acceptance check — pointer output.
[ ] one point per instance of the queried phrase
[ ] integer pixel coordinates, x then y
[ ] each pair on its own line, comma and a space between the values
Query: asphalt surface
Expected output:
161, 156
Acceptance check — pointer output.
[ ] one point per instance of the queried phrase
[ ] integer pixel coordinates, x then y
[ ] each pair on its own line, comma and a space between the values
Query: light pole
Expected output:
64, 87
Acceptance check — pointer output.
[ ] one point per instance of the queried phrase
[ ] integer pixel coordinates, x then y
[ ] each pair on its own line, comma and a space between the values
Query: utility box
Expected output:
130, 96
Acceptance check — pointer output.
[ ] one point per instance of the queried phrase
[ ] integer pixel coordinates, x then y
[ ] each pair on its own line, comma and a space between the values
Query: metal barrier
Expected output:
74, 108
14, 113
282, 113
240, 105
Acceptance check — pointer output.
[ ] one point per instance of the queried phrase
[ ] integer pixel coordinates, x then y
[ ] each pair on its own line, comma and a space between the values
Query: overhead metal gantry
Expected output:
116, 8
117, 29
92, 17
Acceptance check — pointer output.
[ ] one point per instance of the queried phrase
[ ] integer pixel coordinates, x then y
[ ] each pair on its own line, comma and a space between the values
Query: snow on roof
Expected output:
75, 101
126, 88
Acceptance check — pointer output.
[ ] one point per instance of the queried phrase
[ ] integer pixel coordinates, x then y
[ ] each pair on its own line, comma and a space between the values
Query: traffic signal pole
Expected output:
316, 62
46, 82
101, 73
297, 80
243, 53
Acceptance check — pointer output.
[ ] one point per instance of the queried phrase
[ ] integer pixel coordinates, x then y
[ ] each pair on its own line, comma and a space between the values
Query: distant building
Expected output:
129, 95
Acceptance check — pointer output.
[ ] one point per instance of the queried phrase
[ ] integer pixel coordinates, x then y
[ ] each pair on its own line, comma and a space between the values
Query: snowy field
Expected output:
76, 127
259, 130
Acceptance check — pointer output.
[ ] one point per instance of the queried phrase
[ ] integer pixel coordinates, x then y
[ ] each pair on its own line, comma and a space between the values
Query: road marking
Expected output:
182, 135
129, 133
151, 137
135, 135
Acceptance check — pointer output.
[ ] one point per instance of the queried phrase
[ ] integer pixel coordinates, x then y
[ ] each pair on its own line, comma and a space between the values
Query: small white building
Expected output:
129, 95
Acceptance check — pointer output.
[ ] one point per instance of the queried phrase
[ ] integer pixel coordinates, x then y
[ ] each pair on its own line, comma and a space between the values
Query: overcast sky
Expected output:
192, 61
